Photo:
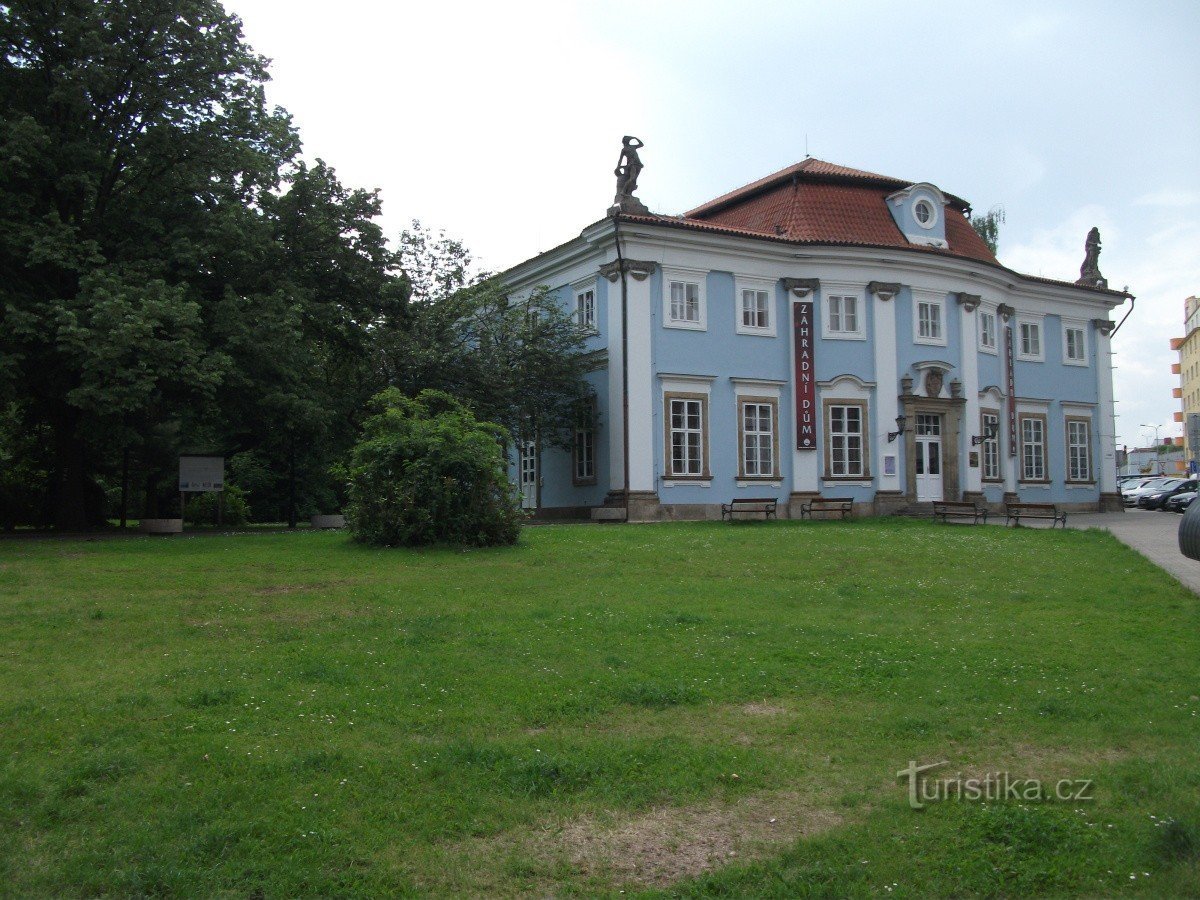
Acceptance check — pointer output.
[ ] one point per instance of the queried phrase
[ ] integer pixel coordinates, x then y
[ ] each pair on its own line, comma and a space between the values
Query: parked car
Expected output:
1180, 501
1154, 498
1129, 495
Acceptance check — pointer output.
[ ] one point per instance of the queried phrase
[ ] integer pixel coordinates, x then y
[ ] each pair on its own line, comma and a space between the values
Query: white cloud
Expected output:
1171, 198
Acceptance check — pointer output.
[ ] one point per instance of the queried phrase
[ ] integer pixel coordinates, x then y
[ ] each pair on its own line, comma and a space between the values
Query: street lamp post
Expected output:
1157, 447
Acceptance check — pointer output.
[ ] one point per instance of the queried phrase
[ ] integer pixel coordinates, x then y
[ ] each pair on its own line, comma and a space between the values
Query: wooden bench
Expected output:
953, 509
1015, 512
843, 505
764, 505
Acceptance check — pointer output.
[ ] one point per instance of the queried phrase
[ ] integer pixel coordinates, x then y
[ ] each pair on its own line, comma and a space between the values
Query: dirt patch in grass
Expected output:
763, 709
666, 844
272, 590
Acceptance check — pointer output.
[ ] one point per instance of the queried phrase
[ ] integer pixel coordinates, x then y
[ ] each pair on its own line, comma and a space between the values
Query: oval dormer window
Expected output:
924, 213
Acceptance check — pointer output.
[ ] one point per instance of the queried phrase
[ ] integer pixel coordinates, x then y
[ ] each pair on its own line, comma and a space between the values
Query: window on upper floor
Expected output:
1030, 346
585, 309
843, 314
684, 303
930, 325
987, 330
755, 310
1074, 345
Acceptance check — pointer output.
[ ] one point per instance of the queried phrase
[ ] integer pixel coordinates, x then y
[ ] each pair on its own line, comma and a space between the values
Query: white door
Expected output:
928, 460
529, 475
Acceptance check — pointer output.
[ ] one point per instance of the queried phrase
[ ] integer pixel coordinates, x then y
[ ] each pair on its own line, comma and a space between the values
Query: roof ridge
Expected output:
810, 165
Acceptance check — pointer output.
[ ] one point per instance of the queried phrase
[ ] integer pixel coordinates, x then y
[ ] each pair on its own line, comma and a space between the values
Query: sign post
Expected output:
200, 475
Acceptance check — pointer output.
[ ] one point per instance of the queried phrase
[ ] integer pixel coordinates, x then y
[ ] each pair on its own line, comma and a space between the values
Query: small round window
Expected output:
923, 213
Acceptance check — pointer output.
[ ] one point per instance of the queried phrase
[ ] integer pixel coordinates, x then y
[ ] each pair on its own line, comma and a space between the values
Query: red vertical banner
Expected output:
806, 382
1011, 387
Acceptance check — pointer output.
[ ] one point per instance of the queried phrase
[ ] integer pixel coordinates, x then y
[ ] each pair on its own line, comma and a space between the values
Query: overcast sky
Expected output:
501, 122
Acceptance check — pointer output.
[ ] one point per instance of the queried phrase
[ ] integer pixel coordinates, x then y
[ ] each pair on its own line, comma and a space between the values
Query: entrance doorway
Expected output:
928, 458
529, 474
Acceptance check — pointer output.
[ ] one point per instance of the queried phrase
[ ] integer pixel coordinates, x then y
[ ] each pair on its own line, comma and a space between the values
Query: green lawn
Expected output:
698, 709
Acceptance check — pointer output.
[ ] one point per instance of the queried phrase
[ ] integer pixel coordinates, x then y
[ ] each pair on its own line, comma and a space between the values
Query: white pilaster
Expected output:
641, 385
616, 416
887, 389
969, 367
1106, 422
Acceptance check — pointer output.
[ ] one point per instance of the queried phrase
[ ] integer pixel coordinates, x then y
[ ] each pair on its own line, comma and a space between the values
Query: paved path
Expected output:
1152, 534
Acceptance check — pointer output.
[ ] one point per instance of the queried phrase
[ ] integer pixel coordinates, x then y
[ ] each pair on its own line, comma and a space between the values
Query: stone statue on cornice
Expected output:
1089, 272
629, 167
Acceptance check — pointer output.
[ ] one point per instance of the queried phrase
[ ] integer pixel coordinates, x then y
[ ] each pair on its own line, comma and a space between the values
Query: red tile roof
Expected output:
818, 202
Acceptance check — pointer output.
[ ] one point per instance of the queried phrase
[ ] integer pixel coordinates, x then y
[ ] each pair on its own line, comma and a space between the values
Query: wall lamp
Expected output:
988, 434
900, 420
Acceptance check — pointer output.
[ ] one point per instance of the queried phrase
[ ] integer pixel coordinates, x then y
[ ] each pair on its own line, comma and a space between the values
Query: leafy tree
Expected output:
135, 142
987, 226
519, 363
428, 472
175, 280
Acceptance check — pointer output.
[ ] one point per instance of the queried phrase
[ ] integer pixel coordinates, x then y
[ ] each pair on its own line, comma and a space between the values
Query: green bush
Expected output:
426, 471
201, 509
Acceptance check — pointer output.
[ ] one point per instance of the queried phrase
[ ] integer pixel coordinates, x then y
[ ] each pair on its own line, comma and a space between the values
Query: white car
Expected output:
1130, 496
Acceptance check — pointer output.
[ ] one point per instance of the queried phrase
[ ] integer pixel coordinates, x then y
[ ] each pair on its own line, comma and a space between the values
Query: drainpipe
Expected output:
1132, 304
624, 358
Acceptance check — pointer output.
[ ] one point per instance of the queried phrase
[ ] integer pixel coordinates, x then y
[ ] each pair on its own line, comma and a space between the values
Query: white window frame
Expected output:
1074, 418
1040, 324
698, 277
756, 435
1024, 418
581, 307
1072, 325
990, 447
700, 431
832, 449
933, 299
985, 347
743, 284
830, 290
583, 450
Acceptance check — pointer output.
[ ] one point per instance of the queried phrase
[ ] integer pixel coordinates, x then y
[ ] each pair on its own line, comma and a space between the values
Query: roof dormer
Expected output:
920, 214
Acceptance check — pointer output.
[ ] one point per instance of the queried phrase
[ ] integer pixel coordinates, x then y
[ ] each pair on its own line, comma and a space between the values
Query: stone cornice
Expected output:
640, 269
969, 302
1104, 326
1005, 311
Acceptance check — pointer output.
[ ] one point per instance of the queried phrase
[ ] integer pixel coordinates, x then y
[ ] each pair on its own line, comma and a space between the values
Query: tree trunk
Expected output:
71, 482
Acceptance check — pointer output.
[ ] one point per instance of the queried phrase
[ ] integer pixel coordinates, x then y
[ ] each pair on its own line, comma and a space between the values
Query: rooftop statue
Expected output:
629, 167
1089, 272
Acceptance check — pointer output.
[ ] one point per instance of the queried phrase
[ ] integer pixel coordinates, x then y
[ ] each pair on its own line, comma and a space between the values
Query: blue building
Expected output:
823, 331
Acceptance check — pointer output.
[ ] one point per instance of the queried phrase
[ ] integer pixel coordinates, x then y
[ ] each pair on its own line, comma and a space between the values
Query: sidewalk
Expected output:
1152, 534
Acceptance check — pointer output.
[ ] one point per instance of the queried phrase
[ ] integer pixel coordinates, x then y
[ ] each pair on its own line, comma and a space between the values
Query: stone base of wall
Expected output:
558, 513
888, 503
643, 506
796, 500
1111, 503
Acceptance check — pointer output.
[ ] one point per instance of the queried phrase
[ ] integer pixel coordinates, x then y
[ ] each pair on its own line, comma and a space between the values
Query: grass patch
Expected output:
689, 709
